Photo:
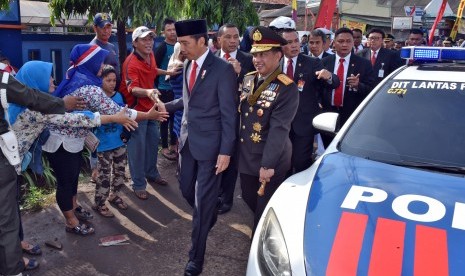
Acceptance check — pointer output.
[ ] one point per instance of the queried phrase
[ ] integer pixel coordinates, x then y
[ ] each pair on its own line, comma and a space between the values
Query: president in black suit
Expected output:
228, 38
384, 61
268, 104
355, 73
208, 131
311, 79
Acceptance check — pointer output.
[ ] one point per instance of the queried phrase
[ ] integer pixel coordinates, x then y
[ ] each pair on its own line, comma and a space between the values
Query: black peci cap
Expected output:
191, 27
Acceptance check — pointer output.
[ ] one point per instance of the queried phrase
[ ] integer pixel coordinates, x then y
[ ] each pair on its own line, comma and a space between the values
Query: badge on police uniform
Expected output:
300, 85
256, 138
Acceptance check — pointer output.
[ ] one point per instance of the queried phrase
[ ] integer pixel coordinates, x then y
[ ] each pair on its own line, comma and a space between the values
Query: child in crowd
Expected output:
111, 153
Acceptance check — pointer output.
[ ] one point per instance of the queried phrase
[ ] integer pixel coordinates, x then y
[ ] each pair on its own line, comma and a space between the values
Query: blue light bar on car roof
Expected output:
423, 53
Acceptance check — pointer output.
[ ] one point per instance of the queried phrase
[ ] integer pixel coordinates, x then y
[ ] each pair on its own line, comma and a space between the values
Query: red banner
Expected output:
325, 14
436, 22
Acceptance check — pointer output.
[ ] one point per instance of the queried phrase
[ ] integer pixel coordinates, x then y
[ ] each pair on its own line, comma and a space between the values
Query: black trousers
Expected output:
167, 126
250, 185
200, 187
11, 261
302, 152
228, 182
66, 166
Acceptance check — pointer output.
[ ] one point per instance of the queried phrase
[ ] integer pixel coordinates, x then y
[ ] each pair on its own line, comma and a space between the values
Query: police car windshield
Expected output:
411, 121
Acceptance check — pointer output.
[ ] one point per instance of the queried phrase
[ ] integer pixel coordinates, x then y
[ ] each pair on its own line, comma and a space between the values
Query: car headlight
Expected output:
272, 250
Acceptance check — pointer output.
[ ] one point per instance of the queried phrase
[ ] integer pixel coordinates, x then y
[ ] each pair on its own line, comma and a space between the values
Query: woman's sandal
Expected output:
141, 194
32, 249
118, 202
31, 264
82, 214
103, 211
80, 229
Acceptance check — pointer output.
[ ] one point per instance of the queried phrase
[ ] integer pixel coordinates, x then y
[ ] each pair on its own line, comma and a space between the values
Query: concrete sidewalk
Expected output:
159, 230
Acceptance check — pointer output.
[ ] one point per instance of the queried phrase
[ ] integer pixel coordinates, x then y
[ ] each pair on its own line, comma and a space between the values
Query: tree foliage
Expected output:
140, 12
239, 12
4, 5
151, 12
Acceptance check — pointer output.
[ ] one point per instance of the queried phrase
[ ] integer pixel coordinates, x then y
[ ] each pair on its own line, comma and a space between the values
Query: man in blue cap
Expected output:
208, 131
102, 28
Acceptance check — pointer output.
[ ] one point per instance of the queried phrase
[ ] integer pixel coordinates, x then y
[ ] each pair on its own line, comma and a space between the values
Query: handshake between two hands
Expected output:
158, 111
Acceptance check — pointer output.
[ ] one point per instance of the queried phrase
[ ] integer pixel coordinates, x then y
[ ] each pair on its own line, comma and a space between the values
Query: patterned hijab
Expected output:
85, 60
34, 74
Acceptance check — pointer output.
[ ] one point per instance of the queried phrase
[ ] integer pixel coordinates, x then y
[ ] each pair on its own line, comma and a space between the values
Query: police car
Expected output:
388, 195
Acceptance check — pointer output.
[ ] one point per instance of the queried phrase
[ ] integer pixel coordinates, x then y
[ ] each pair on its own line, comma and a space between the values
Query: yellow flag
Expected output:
458, 21
294, 10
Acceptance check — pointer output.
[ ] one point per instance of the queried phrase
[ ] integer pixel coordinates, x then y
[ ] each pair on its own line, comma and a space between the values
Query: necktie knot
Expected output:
227, 56
373, 58
341, 60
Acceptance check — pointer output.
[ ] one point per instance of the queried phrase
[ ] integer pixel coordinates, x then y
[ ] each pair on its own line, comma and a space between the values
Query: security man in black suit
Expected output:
268, 104
228, 38
384, 61
356, 76
316, 41
311, 79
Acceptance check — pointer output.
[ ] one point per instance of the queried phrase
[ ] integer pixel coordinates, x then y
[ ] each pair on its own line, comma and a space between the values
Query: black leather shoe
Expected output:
192, 269
223, 209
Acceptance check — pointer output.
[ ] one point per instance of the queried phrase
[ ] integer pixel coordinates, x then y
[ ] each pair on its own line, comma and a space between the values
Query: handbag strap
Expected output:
3, 98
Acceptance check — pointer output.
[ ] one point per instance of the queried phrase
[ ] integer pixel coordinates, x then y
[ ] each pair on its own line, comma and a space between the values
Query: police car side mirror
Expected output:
326, 122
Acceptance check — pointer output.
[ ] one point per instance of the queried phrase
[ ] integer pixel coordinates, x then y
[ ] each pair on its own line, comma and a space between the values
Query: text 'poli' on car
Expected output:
388, 195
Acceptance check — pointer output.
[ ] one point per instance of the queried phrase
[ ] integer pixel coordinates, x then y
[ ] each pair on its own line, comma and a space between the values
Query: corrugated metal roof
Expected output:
275, 2
287, 10
38, 13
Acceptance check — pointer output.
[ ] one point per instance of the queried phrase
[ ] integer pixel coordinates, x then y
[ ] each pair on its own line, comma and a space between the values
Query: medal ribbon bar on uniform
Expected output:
252, 99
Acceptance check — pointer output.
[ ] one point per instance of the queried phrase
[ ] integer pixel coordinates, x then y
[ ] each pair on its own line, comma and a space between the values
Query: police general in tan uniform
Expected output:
268, 104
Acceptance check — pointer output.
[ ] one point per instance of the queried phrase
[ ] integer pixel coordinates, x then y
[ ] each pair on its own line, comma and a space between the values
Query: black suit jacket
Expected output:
387, 60
210, 110
352, 98
310, 89
246, 63
325, 54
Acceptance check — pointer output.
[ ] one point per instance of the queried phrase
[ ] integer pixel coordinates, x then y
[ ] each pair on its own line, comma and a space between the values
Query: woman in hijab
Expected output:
28, 125
65, 144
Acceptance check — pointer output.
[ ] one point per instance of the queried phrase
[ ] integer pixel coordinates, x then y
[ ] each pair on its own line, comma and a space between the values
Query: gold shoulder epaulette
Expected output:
285, 79
251, 73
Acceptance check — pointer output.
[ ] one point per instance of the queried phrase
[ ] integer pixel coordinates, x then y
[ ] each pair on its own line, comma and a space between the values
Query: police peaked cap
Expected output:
264, 39
389, 37
191, 27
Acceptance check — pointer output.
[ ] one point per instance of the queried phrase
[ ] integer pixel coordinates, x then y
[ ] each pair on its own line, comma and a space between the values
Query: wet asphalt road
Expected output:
159, 230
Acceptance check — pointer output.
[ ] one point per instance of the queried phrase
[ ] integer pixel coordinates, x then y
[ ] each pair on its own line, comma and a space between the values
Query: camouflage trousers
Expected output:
111, 161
